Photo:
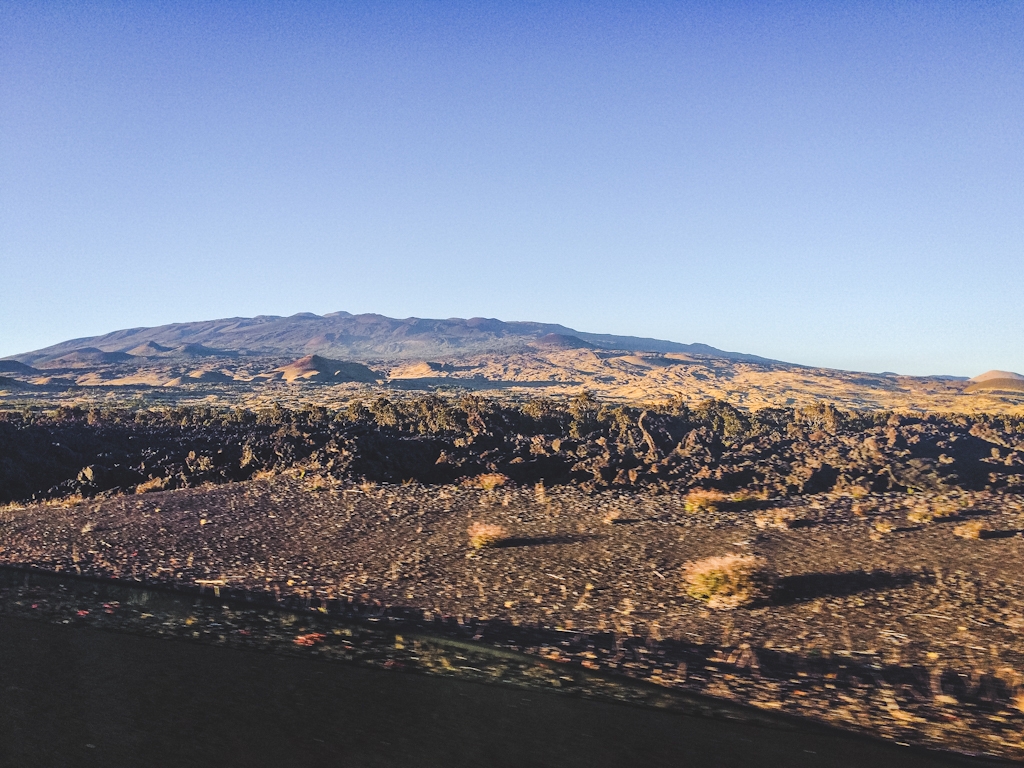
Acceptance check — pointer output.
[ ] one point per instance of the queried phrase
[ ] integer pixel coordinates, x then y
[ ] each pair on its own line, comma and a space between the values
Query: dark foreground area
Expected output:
75, 696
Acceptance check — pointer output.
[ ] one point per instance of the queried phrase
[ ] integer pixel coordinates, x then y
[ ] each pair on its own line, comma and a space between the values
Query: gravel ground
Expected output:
883, 620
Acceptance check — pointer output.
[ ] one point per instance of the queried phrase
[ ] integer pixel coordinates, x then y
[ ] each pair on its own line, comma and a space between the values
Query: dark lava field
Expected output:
772, 452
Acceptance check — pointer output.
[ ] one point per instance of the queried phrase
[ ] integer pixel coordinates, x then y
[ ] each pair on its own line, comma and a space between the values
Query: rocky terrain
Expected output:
714, 446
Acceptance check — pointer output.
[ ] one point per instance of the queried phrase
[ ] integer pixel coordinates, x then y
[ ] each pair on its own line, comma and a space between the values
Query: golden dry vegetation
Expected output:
610, 376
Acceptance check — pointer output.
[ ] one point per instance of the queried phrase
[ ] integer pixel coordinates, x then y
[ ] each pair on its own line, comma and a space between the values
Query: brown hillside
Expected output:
1000, 385
321, 369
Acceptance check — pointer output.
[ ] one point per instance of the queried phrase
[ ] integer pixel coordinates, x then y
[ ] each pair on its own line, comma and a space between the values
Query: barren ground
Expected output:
883, 620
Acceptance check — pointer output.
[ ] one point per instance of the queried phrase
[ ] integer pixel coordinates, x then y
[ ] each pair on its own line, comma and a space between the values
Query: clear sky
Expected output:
826, 183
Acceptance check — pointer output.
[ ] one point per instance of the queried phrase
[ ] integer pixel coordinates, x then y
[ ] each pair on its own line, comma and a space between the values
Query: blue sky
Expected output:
825, 183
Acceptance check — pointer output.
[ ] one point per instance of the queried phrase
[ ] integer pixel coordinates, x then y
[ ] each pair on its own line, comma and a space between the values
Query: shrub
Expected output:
485, 535
720, 417
727, 582
778, 518
153, 484
611, 516
884, 526
922, 515
970, 530
491, 481
700, 500
539, 493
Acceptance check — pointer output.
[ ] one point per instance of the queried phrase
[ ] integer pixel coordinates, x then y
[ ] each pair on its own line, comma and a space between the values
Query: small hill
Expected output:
152, 349
149, 349
210, 376
13, 366
9, 383
314, 368
997, 381
996, 376
198, 350
201, 377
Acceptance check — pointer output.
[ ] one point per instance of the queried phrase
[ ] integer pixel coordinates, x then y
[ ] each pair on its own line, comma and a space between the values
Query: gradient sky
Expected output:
825, 183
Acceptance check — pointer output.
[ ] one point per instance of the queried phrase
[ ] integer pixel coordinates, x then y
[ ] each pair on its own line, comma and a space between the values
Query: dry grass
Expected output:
611, 516
485, 535
701, 500
970, 530
727, 582
930, 511
742, 497
921, 516
776, 518
1018, 702
153, 484
539, 493
318, 483
491, 480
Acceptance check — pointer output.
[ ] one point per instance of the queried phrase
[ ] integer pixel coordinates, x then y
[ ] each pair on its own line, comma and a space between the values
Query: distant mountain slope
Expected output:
355, 337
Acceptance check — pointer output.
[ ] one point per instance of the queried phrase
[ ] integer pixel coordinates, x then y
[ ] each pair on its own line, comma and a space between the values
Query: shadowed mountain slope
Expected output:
358, 337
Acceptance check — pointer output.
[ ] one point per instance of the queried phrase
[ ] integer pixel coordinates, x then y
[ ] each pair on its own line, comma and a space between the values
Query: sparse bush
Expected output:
970, 530
491, 480
776, 518
883, 527
539, 493
154, 484
742, 497
702, 500
727, 582
485, 535
921, 515
721, 417
611, 516
583, 409
357, 411
820, 416
385, 413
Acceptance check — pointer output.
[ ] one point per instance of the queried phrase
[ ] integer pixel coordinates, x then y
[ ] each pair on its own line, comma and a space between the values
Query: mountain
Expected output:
346, 336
